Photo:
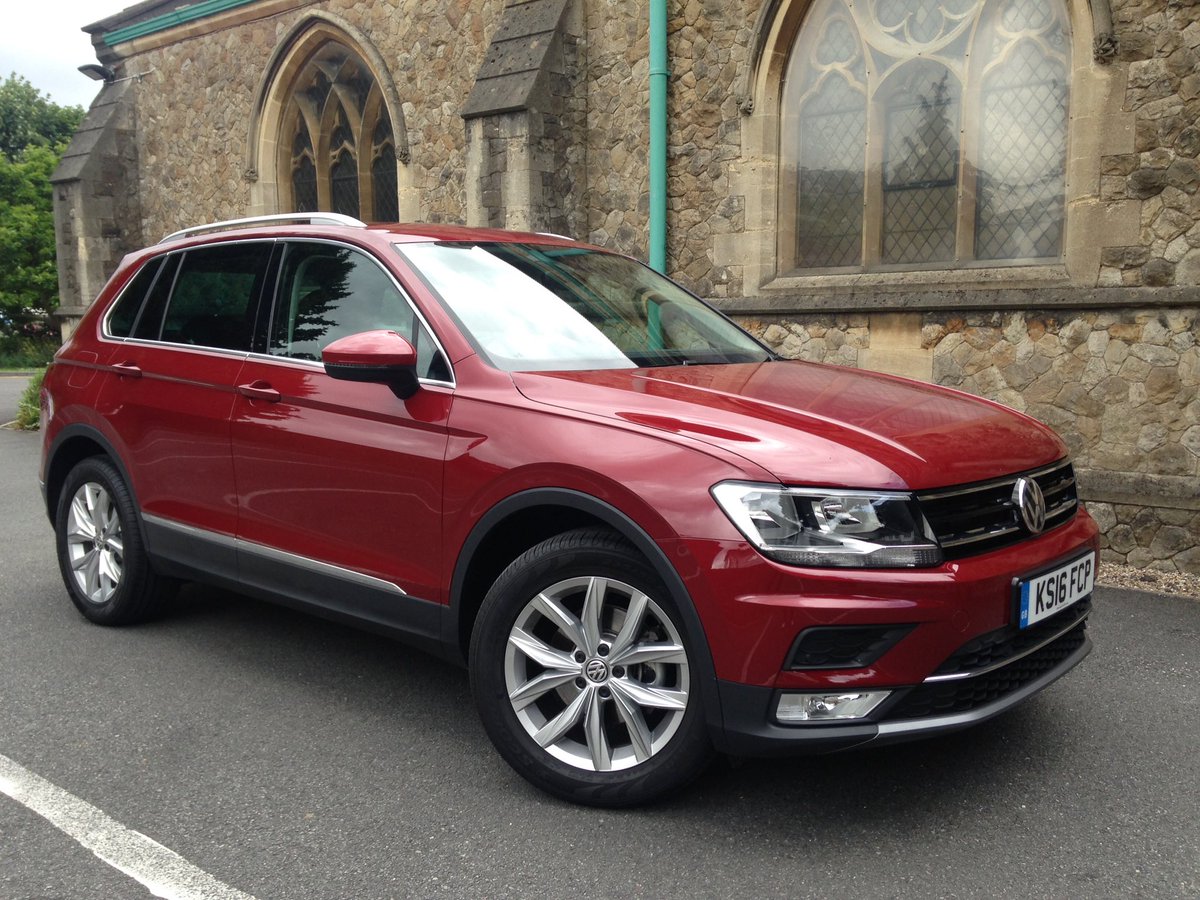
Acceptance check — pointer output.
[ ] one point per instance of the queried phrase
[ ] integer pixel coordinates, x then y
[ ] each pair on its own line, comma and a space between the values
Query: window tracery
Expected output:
336, 139
924, 133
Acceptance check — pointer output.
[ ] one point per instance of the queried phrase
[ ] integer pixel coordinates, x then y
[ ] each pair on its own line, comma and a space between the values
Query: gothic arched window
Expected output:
924, 134
336, 140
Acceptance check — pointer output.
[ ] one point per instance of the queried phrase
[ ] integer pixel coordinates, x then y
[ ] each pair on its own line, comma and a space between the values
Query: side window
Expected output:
328, 292
124, 313
148, 326
215, 296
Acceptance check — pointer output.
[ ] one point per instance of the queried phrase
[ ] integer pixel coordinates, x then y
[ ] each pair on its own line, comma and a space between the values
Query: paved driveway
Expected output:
289, 758
11, 387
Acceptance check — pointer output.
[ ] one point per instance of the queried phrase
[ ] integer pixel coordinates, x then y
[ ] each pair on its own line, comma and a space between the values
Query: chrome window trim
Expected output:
104, 333
319, 366
110, 338
277, 555
195, 348
453, 382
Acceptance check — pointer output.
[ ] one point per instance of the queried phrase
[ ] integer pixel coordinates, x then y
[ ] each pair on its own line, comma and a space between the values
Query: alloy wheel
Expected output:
95, 546
596, 673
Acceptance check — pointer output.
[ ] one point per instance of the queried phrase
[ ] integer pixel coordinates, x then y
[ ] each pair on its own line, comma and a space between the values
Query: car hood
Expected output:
815, 424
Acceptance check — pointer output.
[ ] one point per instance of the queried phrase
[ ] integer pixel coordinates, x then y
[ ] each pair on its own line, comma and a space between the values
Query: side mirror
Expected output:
376, 357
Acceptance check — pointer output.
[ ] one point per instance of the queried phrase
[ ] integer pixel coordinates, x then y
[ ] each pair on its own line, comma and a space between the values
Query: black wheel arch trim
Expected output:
626, 528
93, 434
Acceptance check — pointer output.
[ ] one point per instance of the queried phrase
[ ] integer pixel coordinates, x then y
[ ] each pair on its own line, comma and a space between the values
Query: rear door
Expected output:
170, 388
340, 483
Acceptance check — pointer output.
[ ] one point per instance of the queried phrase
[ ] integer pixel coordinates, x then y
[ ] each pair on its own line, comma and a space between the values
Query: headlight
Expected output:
830, 527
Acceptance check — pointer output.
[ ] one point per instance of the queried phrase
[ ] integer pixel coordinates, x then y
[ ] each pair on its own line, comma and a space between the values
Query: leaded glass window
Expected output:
383, 172
304, 174
338, 139
924, 133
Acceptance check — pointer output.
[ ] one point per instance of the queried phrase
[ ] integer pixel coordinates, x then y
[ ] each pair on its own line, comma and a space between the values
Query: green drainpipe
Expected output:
658, 135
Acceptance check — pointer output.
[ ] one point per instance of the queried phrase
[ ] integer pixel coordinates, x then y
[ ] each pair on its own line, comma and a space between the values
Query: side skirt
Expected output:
308, 585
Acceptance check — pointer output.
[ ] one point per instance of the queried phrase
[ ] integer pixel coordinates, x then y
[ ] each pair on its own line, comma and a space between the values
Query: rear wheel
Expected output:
100, 550
583, 675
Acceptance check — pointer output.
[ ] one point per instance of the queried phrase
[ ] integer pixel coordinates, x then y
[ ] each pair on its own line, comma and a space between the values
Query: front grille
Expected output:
977, 518
1005, 643
950, 697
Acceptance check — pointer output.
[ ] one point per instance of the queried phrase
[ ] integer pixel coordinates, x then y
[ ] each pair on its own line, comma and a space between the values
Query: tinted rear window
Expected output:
125, 312
215, 296
148, 326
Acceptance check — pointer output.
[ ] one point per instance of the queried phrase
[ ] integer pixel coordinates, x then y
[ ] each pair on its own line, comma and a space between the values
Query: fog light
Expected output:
826, 707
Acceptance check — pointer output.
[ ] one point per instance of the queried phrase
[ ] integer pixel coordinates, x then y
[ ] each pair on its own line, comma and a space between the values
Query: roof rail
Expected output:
317, 218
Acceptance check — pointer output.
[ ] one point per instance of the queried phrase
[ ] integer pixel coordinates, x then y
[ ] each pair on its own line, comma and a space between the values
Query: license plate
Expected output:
1057, 589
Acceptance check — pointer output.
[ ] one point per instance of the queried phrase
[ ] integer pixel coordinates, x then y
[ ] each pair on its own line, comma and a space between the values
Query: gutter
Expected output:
658, 135
172, 19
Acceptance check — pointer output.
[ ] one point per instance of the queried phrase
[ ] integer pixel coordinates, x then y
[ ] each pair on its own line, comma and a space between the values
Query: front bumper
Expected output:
751, 729
960, 619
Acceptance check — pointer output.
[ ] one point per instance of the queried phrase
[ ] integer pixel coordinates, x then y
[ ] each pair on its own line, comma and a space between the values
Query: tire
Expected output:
100, 551
580, 705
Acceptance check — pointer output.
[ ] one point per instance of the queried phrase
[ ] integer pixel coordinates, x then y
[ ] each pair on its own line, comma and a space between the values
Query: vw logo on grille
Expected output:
596, 670
1028, 498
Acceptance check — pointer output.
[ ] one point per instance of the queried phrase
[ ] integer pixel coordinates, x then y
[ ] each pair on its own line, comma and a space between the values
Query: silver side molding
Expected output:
264, 552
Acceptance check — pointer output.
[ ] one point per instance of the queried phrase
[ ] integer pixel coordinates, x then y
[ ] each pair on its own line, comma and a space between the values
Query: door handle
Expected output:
128, 370
259, 390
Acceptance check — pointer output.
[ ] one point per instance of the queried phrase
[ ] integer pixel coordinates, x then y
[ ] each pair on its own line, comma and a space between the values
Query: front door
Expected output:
340, 483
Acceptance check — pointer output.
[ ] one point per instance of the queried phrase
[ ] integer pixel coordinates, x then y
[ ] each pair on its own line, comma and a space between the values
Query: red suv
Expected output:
647, 536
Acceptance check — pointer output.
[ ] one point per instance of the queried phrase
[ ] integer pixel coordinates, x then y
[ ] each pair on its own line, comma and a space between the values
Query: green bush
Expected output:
29, 407
17, 352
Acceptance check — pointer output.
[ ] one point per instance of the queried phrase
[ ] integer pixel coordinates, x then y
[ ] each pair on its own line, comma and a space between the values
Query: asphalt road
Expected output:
291, 758
11, 387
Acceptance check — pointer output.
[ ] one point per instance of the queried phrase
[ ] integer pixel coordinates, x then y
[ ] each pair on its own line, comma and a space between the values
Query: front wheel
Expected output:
582, 674
100, 552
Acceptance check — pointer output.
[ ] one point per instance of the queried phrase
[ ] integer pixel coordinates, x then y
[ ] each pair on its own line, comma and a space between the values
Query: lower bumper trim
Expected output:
750, 728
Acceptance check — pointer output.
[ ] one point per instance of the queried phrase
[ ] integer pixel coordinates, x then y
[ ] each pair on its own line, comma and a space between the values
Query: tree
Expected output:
28, 275
33, 135
30, 119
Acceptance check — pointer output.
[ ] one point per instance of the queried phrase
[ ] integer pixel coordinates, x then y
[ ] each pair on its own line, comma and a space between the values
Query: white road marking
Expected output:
161, 870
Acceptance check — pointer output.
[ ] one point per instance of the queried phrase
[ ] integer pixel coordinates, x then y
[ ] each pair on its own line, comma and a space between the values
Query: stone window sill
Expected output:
975, 278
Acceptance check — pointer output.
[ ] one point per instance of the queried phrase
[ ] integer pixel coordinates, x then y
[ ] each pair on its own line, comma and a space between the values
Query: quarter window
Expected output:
924, 134
124, 313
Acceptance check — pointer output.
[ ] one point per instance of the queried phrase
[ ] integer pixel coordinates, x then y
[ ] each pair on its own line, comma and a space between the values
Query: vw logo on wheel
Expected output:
1029, 500
596, 670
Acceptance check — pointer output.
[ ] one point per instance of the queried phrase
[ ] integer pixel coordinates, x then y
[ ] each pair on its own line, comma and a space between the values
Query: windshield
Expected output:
529, 307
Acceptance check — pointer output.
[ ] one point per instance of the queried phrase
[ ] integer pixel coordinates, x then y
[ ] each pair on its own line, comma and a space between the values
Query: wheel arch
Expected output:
536, 515
71, 446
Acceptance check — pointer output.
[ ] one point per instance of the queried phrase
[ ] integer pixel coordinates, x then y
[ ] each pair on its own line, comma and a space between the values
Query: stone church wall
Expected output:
196, 105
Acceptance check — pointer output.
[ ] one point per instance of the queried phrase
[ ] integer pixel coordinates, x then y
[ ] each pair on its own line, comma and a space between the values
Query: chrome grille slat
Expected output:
938, 494
971, 539
979, 517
